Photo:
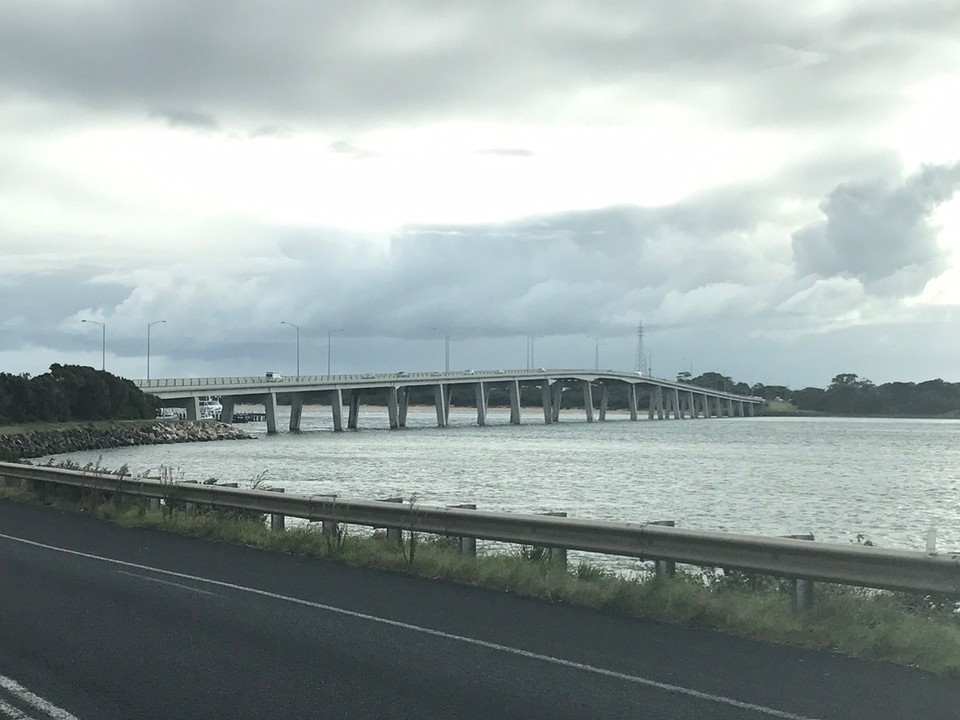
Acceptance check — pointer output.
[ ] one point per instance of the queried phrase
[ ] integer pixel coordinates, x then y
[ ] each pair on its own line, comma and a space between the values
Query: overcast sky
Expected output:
770, 187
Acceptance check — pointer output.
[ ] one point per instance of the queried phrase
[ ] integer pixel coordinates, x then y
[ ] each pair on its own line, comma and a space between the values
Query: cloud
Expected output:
186, 118
878, 233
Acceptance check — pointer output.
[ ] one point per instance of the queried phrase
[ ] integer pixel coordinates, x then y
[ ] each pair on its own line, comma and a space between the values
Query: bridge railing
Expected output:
793, 558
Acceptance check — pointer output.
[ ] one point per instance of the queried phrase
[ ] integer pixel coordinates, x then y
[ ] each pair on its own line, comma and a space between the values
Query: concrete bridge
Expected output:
665, 399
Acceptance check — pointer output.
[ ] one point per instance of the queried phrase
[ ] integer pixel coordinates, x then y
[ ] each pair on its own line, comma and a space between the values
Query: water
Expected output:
886, 480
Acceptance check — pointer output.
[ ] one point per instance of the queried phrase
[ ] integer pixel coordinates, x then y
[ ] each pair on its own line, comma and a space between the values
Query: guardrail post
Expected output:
557, 555
191, 507
468, 545
801, 595
278, 522
665, 568
394, 534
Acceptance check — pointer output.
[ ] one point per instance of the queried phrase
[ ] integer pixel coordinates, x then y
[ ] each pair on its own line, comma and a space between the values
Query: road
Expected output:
98, 622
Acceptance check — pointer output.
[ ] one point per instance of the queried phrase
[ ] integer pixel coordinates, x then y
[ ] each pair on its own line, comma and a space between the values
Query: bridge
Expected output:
664, 398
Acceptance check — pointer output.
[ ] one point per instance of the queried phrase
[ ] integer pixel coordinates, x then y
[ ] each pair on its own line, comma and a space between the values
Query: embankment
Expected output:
28, 442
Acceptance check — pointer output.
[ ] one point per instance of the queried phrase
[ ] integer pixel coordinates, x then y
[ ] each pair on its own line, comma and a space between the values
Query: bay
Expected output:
845, 480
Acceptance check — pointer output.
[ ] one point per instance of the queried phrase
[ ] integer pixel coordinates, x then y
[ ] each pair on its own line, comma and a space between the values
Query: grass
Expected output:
919, 631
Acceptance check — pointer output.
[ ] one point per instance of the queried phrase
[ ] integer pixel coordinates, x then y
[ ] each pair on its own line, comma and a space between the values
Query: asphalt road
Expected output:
98, 622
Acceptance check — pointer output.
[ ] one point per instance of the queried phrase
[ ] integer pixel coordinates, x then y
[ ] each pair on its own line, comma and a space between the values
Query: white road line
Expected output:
34, 701
9, 711
636, 679
165, 582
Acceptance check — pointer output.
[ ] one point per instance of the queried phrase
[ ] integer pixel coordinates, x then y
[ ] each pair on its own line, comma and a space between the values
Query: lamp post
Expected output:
533, 339
446, 348
596, 354
103, 341
150, 325
297, 328
329, 342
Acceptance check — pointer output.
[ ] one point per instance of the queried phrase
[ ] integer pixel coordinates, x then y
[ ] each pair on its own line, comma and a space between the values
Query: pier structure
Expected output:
663, 399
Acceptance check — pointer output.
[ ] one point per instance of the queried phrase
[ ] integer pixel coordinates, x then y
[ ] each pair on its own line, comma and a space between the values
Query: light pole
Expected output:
446, 348
329, 340
150, 325
297, 328
533, 359
596, 355
103, 341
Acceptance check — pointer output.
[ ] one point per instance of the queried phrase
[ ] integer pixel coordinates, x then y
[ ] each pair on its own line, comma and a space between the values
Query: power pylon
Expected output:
640, 364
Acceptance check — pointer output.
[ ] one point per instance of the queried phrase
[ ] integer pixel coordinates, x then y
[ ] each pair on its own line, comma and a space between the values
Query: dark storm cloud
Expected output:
878, 233
368, 61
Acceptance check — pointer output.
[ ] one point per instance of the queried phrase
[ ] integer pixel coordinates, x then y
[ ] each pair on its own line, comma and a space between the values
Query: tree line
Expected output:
72, 392
849, 394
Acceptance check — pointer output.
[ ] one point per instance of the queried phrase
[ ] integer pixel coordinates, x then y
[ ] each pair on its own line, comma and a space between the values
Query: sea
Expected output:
847, 480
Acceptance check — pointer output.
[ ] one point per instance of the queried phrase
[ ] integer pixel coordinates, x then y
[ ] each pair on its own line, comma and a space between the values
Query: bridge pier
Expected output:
729, 407
674, 396
632, 400
546, 398
481, 395
393, 409
705, 406
193, 408
270, 408
604, 401
336, 409
556, 395
296, 411
692, 404
404, 396
750, 409
441, 394
354, 410
226, 415
514, 403
588, 399
656, 402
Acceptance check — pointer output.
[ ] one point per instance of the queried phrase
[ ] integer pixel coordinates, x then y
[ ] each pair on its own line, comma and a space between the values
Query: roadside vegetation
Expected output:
921, 631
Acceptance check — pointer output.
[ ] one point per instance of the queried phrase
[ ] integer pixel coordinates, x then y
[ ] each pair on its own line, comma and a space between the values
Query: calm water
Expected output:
889, 480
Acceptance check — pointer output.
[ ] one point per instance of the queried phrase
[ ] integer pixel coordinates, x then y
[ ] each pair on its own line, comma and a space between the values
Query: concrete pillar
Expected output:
336, 409
226, 415
740, 408
439, 390
270, 406
481, 395
546, 397
393, 409
729, 407
588, 399
353, 412
193, 408
404, 396
514, 403
705, 406
556, 395
692, 403
154, 505
604, 401
296, 411
632, 400
751, 409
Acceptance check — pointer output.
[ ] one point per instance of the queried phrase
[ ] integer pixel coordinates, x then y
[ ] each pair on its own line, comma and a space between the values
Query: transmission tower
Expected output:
640, 365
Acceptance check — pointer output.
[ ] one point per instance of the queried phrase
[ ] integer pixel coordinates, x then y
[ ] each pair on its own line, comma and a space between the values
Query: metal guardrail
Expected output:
792, 558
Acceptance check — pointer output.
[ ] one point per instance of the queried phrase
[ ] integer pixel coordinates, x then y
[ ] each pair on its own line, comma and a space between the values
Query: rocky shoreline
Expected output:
41, 442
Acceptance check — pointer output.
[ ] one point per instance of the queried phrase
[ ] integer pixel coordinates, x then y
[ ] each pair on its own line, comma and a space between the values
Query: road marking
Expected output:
7, 710
165, 582
635, 679
34, 701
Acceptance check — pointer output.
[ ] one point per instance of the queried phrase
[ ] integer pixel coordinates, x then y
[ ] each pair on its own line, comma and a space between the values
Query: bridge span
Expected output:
662, 398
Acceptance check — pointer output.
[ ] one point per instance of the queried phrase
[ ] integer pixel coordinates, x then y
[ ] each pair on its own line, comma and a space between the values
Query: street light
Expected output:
103, 341
533, 339
150, 325
329, 339
297, 328
446, 348
596, 354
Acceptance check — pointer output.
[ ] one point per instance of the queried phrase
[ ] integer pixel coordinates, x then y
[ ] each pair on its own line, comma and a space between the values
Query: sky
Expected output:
770, 188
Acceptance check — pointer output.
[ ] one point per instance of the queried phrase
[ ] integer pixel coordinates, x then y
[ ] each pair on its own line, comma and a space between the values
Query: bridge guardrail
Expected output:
793, 558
